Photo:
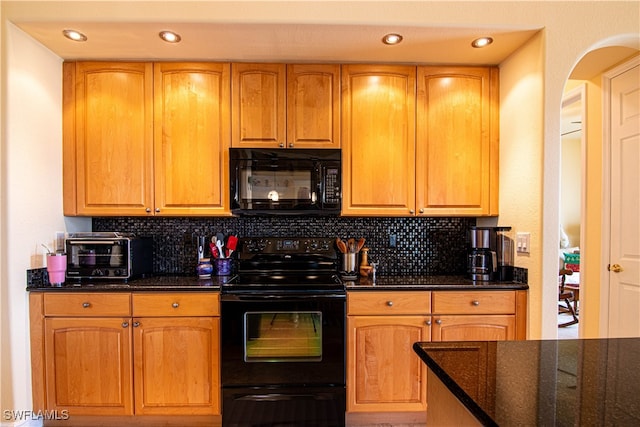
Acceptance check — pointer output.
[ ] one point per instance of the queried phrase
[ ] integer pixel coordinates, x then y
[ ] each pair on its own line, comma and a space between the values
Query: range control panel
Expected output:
278, 245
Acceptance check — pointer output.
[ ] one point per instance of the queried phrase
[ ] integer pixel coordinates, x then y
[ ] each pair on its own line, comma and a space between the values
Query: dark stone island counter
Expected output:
590, 382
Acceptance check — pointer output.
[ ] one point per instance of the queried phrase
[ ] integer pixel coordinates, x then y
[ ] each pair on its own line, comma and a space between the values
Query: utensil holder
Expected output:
224, 266
350, 264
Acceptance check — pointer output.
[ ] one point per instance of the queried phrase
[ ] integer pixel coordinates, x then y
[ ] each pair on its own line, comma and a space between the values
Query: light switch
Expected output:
523, 242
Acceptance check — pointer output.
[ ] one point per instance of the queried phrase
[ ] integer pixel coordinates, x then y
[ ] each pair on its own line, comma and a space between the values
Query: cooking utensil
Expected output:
219, 245
214, 250
200, 247
342, 247
351, 244
360, 244
232, 242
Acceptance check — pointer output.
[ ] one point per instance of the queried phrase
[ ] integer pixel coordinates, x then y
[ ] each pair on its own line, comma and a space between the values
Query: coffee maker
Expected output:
490, 254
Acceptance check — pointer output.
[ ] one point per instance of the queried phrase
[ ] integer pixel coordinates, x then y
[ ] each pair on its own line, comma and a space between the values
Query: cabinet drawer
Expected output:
474, 302
87, 304
385, 303
177, 304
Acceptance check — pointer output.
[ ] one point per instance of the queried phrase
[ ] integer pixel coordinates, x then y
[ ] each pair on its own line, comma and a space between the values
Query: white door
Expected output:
624, 176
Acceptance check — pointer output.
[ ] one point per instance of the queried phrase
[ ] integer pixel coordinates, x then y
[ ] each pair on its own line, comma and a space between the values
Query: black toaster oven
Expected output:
108, 255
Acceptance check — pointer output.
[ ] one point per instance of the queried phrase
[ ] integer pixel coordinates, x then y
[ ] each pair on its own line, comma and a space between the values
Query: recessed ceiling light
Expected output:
482, 42
74, 35
170, 36
392, 39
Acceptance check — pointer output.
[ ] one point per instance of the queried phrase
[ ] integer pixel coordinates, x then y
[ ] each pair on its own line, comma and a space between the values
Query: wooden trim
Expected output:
367, 419
36, 332
521, 314
494, 141
133, 420
69, 162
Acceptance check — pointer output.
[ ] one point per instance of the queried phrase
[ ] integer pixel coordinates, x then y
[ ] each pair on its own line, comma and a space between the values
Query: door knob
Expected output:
616, 268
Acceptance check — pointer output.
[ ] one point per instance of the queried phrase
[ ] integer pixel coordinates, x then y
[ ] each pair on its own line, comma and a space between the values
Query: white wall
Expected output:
32, 195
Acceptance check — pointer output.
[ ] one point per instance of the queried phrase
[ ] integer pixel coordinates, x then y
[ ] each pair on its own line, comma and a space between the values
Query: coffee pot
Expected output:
490, 254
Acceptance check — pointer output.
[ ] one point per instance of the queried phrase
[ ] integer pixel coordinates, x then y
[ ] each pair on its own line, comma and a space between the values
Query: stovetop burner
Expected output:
282, 265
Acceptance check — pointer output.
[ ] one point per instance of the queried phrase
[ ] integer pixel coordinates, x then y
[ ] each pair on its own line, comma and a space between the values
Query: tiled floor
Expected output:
567, 332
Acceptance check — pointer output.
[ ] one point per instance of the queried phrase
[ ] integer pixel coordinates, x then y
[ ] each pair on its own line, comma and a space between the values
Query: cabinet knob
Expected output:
390, 303
439, 321
411, 211
421, 210
175, 305
125, 324
475, 302
428, 323
291, 145
157, 210
136, 324
281, 145
86, 304
148, 210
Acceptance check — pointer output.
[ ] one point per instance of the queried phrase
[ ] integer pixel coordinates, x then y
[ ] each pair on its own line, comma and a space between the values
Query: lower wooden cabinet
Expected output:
126, 354
383, 372
175, 365
478, 315
88, 365
383, 375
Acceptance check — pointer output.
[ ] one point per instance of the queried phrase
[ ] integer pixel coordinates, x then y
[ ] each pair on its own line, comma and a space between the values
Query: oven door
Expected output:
283, 360
283, 340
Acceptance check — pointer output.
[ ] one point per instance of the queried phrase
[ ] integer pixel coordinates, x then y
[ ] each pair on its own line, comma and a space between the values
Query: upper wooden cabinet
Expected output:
108, 138
286, 106
145, 139
432, 154
192, 138
378, 140
457, 141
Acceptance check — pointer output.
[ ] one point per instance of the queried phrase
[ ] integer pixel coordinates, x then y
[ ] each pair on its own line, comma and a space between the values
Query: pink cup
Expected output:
56, 267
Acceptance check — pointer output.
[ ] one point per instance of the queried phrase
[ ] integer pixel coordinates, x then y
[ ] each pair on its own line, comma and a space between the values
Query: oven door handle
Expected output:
278, 297
274, 397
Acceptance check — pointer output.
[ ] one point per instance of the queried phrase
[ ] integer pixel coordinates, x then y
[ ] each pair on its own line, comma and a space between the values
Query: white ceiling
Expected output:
435, 32
277, 43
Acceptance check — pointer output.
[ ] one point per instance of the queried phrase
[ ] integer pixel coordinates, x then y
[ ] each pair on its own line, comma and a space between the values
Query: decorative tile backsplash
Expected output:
425, 246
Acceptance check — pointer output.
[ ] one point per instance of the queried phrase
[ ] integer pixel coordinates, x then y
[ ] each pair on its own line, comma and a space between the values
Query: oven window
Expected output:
283, 336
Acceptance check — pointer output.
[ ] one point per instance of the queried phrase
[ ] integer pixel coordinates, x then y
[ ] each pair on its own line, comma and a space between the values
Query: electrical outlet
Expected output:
523, 243
59, 242
393, 241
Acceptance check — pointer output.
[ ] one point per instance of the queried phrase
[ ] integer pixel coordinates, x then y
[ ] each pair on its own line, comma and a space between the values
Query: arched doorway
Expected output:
588, 75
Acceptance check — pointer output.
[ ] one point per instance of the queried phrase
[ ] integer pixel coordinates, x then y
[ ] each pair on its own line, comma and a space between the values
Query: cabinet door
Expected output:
474, 328
192, 138
384, 374
258, 105
88, 365
313, 106
457, 141
112, 151
378, 140
176, 365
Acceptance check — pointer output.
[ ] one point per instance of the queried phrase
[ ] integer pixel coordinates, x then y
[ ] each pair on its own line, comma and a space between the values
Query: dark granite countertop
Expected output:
193, 283
550, 383
429, 283
155, 283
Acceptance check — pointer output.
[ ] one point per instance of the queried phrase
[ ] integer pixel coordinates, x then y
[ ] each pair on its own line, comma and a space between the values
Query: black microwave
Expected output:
108, 255
291, 181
